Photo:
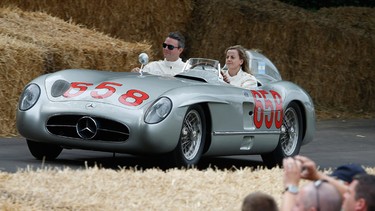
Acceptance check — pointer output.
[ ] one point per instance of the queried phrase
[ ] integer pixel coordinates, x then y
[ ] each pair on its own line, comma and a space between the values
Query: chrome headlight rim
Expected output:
25, 103
158, 111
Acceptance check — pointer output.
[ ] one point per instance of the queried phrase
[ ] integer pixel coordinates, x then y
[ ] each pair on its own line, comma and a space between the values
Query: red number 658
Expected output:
263, 101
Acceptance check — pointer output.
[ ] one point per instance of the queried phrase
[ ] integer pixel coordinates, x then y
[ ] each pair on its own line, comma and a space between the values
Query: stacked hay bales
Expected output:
15, 72
359, 19
34, 43
130, 20
332, 62
332, 59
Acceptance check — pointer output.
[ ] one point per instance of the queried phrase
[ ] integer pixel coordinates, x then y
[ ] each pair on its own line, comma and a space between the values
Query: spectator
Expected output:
345, 173
360, 195
259, 201
310, 172
238, 73
318, 195
172, 64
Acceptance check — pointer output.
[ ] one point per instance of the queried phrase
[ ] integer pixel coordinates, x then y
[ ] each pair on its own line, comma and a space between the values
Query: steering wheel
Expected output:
202, 64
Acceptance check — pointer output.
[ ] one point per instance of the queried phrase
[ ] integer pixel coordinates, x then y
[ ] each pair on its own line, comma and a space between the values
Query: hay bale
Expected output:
34, 43
359, 19
326, 50
69, 45
130, 20
15, 73
332, 62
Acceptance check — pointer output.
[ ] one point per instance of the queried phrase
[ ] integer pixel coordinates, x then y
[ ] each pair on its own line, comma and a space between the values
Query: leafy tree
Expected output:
317, 4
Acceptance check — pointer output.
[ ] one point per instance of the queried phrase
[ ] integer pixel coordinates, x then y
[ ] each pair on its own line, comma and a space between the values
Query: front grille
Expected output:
106, 130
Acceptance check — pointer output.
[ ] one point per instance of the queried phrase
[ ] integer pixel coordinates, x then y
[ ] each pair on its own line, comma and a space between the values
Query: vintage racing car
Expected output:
184, 117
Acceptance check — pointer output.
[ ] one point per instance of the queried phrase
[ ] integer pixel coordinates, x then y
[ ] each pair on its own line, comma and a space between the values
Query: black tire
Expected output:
192, 138
290, 137
44, 151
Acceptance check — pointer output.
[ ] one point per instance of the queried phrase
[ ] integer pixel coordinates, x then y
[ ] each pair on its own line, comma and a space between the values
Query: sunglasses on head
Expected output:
317, 184
170, 47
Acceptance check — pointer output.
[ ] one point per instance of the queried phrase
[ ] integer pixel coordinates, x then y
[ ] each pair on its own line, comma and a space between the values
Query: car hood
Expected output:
118, 88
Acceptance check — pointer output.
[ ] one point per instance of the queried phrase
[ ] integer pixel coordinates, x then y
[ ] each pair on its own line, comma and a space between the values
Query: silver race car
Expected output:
184, 117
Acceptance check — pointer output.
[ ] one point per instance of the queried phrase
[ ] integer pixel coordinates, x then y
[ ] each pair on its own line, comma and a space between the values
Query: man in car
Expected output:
172, 64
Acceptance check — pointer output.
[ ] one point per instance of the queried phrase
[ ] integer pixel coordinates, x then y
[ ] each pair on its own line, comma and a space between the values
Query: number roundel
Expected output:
132, 97
268, 108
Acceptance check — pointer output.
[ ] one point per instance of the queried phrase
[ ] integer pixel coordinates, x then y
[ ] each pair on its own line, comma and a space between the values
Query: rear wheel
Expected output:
44, 151
290, 137
192, 138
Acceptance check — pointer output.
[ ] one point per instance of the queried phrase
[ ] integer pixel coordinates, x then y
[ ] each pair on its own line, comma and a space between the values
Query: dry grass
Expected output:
152, 189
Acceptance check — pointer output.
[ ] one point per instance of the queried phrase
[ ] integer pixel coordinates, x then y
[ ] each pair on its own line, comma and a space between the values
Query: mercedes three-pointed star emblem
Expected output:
87, 127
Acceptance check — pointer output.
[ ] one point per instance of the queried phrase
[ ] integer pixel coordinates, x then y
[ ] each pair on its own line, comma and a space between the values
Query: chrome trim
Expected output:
226, 133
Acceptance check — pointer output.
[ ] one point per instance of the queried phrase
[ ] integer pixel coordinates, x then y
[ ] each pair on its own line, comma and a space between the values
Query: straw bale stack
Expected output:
69, 45
359, 19
34, 43
333, 63
130, 20
15, 72
331, 49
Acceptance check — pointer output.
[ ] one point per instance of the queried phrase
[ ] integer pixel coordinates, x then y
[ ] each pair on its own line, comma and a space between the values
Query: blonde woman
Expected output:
238, 73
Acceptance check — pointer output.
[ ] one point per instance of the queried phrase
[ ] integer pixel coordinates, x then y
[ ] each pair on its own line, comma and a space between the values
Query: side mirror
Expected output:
143, 58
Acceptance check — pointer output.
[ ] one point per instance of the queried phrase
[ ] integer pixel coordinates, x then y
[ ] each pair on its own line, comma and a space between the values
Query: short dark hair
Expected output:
366, 189
259, 201
179, 37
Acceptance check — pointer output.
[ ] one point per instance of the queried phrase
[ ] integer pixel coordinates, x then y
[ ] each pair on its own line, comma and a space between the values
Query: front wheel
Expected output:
44, 151
192, 138
290, 137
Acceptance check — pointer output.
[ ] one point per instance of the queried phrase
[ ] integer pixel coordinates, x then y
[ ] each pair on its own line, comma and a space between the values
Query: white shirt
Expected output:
243, 80
164, 67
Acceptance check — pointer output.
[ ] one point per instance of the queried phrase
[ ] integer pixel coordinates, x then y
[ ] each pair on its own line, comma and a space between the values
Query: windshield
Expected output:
203, 64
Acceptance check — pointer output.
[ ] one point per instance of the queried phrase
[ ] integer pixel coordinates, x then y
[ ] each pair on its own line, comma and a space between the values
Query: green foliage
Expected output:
317, 4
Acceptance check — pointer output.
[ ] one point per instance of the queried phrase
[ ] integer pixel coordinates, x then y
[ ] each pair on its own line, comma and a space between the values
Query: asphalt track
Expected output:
336, 142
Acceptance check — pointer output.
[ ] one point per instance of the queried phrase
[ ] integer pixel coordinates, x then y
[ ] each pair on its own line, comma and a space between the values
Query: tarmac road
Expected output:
336, 142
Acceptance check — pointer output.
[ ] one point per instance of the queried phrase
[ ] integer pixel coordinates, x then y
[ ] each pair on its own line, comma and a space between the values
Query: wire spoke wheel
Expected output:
289, 132
290, 138
191, 135
190, 146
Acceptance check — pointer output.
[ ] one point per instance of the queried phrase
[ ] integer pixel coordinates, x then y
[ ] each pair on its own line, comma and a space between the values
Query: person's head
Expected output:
360, 194
259, 201
236, 58
346, 172
173, 46
319, 195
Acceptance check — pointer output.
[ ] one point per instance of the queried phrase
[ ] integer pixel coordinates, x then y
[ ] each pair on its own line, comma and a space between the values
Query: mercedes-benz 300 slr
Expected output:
184, 117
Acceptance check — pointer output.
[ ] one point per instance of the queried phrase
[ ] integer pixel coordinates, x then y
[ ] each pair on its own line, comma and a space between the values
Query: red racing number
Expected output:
81, 86
279, 108
274, 105
105, 85
132, 97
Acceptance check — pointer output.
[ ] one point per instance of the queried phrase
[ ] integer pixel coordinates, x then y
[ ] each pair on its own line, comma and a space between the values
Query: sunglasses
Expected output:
170, 47
317, 184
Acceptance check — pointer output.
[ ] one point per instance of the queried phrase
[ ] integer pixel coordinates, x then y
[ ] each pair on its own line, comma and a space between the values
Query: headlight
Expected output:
29, 97
158, 110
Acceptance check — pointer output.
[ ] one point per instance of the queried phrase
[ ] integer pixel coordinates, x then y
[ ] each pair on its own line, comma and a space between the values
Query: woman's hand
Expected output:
225, 76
